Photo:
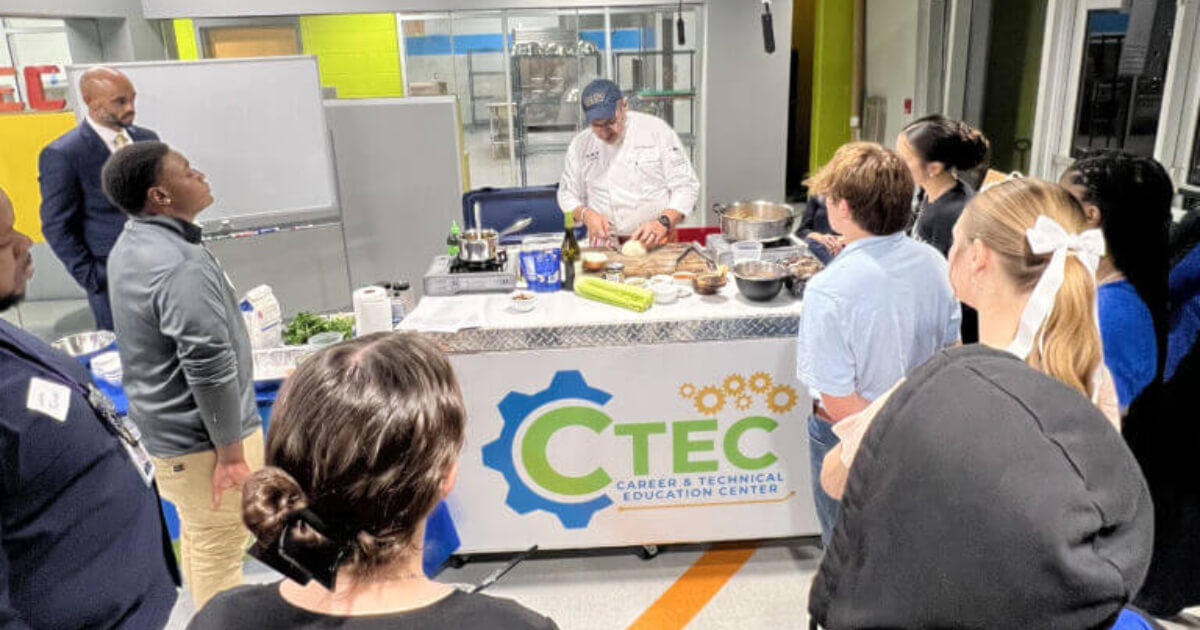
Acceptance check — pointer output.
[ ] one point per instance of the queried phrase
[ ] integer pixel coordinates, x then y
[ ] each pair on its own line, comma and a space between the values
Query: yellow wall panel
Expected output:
25, 135
185, 39
359, 54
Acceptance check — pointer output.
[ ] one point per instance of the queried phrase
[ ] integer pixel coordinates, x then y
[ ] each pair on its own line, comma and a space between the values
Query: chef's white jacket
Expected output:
630, 183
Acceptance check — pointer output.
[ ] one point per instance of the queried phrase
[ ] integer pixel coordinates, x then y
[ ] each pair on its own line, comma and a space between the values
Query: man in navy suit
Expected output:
78, 220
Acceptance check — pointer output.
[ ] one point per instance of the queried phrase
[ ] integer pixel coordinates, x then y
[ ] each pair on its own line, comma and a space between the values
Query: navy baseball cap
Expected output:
600, 99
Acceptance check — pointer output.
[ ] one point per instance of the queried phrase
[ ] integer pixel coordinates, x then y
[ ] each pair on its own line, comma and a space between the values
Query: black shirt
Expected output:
261, 607
936, 219
816, 218
82, 542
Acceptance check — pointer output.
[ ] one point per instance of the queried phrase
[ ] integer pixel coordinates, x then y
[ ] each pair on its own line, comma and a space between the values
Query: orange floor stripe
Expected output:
694, 589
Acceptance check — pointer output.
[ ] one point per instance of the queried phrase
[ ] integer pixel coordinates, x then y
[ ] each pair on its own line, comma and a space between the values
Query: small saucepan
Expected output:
478, 246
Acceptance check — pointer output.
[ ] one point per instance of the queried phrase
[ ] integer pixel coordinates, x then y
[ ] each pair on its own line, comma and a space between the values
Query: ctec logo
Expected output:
551, 491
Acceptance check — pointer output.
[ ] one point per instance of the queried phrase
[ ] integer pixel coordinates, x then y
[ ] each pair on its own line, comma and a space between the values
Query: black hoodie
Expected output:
986, 495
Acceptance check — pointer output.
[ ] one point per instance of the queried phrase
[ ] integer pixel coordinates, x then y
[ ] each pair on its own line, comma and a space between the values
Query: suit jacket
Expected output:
78, 220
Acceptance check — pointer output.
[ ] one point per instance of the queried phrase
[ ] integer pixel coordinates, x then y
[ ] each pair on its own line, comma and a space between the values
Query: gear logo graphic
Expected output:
760, 382
710, 400
781, 399
734, 384
743, 402
498, 455
687, 390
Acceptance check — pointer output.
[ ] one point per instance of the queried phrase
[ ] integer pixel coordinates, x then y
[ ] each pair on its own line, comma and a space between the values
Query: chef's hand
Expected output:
599, 229
651, 234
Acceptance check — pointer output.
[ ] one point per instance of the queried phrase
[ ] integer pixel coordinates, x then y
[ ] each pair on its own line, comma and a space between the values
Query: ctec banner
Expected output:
636, 445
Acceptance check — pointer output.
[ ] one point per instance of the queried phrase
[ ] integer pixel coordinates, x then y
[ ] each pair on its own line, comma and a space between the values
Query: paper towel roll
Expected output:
372, 311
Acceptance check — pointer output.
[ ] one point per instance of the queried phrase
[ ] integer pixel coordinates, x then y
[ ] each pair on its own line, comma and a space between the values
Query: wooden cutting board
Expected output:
659, 261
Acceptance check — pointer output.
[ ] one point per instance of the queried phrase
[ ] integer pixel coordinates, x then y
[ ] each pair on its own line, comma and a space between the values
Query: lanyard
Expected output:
100, 403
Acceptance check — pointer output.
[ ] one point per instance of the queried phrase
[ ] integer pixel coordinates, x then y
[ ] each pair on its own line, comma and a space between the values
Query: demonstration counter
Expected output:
591, 425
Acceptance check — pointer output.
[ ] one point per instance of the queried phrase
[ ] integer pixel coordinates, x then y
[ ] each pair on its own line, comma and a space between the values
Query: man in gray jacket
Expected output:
186, 357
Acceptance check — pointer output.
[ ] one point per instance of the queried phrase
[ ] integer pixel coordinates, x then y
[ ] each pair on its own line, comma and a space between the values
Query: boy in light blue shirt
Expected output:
880, 309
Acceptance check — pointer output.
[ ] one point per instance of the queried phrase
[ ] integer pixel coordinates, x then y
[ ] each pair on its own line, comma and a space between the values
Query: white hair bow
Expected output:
1044, 237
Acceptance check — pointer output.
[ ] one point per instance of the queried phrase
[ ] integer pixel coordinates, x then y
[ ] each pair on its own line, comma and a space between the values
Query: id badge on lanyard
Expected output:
126, 430
123, 428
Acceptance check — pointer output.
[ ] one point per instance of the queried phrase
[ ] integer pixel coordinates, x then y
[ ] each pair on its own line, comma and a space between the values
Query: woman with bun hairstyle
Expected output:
363, 445
936, 149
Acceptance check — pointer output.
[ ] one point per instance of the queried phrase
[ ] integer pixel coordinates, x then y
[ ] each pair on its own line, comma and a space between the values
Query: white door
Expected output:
1095, 93
1179, 149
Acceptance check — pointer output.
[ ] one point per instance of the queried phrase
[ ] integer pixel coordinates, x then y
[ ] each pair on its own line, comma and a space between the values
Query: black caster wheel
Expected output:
648, 552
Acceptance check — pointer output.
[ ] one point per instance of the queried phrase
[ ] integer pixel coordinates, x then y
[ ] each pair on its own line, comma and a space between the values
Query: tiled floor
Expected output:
610, 590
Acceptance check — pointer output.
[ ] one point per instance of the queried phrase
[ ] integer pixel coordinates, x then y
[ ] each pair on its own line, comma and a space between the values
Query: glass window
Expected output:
28, 42
1121, 91
229, 42
479, 55
660, 75
429, 51
531, 65
549, 70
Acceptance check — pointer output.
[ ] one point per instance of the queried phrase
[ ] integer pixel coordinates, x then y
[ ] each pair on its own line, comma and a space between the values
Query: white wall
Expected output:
892, 58
745, 105
71, 8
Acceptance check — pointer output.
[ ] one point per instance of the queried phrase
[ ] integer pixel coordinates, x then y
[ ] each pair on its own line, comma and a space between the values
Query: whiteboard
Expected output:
255, 127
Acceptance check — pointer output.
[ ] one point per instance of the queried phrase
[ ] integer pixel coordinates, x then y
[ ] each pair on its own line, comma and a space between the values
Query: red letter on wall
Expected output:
37, 95
14, 106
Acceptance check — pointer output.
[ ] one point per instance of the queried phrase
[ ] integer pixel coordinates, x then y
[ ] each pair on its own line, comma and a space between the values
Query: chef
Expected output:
627, 176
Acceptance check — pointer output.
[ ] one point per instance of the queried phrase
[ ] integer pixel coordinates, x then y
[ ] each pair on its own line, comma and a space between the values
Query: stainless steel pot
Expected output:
762, 221
478, 247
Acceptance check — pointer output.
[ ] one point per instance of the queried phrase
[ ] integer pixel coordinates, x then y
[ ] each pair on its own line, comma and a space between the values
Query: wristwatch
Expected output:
662, 218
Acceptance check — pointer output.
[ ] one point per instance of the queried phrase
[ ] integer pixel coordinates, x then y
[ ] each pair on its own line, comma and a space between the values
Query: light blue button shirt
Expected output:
883, 307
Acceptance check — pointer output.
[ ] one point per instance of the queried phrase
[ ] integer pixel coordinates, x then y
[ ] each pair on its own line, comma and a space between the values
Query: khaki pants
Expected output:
212, 543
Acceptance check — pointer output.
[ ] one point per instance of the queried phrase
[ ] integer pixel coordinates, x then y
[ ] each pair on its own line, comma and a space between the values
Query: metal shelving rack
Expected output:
547, 77
651, 100
478, 99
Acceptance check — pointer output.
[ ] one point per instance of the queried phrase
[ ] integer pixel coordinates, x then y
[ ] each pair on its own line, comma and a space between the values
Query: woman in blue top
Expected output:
1129, 198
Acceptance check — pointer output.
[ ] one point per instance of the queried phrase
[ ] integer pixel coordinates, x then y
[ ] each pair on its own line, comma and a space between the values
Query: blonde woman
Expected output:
1023, 258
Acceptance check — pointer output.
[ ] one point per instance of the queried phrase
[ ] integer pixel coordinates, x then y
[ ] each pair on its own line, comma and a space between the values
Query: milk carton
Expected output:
263, 317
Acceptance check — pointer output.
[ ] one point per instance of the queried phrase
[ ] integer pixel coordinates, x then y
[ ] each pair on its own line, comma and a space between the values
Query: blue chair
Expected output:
501, 207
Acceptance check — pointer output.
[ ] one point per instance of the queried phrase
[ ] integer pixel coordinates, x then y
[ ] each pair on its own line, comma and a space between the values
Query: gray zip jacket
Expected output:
185, 352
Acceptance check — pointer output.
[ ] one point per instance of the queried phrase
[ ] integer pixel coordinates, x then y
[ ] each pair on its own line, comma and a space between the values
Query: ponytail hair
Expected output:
1133, 195
954, 143
1069, 348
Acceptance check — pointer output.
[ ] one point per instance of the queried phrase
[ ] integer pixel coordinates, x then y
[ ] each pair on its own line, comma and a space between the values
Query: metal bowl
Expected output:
759, 280
762, 221
86, 343
584, 48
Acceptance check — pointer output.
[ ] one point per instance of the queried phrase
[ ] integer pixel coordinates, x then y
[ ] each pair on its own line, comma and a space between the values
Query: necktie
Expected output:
121, 141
